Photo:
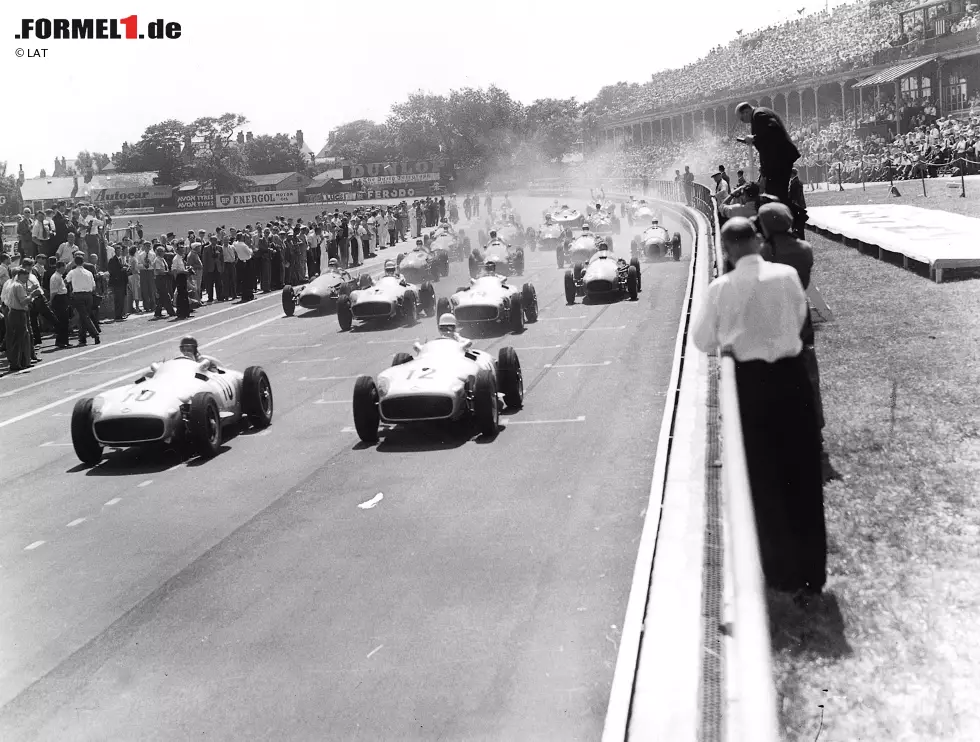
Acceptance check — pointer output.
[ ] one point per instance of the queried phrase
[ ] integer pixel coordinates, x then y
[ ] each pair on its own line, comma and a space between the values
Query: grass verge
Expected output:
941, 193
891, 651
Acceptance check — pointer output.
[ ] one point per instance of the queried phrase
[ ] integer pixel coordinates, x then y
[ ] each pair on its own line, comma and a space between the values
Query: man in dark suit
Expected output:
797, 204
777, 153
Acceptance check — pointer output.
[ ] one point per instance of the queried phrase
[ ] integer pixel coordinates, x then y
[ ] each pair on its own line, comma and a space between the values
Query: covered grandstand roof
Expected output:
896, 72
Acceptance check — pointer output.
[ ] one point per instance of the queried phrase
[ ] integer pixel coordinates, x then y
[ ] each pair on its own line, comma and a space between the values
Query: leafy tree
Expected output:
9, 188
100, 160
159, 149
361, 141
85, 165
217, 160
273, 154
556, 125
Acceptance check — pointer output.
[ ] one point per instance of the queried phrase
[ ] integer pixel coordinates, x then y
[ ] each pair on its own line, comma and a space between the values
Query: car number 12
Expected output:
426, 374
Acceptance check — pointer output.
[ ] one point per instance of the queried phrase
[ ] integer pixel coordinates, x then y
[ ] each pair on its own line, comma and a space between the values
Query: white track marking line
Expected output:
104, 371
385, 342
53, 444
31, 547
372, 652
311, 360
579, 419
113, 501
118, 379
76, 522
538, 347
293, 347
593, 329
145, 483
368, 504
281, 334
332, 401
576, 365
324, 378
124, 355
560, 319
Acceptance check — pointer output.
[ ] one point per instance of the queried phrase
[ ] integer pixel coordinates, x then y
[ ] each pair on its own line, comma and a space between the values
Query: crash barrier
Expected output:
939, 240
735, 697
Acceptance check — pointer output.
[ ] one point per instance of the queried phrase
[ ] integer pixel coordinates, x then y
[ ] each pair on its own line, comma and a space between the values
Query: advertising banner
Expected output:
141, 210
423, 189
326, 198
194, 200
258, 198
130, 194
379, 169
399, 180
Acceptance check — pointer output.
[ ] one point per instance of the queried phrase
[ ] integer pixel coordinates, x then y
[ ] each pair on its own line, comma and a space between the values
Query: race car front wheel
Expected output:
367, 416
442, 307
427, 300
204, 425
635, 262
288, 300
569, 287
509, 377
83, 439
410, 311
345, 316
485, 408
257, 397
516, 315
632, 282
529, 298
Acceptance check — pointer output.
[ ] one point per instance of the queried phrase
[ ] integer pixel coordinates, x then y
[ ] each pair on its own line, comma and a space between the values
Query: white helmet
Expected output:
447, 323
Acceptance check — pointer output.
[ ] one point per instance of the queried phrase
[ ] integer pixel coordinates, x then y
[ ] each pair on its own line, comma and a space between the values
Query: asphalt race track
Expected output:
250, 597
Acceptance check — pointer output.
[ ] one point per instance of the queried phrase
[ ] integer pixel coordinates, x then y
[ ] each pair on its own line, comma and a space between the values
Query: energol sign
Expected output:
259, 198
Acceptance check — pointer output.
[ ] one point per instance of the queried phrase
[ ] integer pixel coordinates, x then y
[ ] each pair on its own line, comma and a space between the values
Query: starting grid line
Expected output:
504, 423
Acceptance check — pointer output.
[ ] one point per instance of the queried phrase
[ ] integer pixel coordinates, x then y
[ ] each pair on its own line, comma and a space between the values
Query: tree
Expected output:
101, 160
9, 188
361, 141
217, 160
556, 126
159, 150
273, 154
85, 165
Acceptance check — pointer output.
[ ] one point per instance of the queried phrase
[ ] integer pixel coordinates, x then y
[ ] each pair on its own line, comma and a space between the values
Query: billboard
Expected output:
194, 200
380, 169
258, 198
142, 193
326, 198
400, 191
388, 180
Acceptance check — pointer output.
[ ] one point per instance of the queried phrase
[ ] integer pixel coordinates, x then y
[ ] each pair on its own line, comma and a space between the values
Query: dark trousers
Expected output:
162, 282
277, 270
246, 279
83, 303
212, 285
782, 449
265, 274
354, 243
60, 306
119, 298
183, 299
777, 184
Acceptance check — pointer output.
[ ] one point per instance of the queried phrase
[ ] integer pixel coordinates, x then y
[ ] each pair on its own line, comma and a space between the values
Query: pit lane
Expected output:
250, 597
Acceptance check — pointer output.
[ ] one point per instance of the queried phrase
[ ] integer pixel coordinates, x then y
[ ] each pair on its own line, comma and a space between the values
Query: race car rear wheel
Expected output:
516, 315
367, 416
345, 316
569, 287
529, 297
510, 380
427, 298
257, 397
485, 408
410, 311
677, 245
635, 262
632, 282
204, 425
83, 440
577, 270
442, 307
288, 300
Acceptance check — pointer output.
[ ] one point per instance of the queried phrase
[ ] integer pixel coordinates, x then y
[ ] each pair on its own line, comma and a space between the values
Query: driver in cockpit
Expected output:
391, 270
189, 350
333, 265
490, 270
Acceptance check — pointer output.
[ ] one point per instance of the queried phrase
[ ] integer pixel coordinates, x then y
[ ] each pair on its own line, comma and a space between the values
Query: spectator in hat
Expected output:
724, 176
777, 153
721, 186
118, 282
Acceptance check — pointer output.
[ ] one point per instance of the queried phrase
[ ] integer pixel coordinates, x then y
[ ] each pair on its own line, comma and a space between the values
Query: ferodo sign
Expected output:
391, 193
131, 194
259, 198
379, 169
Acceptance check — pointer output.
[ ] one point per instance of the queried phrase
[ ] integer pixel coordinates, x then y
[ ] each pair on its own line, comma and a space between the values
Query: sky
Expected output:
300, 64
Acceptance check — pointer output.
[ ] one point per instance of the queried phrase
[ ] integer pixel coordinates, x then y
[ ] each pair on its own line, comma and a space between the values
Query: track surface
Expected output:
249, 597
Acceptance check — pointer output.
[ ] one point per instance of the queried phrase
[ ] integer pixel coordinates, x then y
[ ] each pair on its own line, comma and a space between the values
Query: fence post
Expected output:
840, 178
962, 179
922, 177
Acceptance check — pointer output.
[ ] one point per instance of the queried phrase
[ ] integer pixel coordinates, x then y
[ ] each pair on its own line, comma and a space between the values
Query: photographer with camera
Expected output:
777, 153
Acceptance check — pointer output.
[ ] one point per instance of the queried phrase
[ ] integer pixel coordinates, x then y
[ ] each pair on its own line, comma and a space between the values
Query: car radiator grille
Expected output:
475, 314
417, 407
129, 429
372, 309
310, 301
599, 287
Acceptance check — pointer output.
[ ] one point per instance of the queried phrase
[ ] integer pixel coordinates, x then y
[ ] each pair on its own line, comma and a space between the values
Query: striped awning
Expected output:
891, 74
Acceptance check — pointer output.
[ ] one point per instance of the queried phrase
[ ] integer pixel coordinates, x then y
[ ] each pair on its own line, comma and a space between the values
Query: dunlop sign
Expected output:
259, 198
378, 169
131, 194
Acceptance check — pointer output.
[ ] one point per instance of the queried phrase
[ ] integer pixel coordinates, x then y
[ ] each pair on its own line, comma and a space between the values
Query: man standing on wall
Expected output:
777, 153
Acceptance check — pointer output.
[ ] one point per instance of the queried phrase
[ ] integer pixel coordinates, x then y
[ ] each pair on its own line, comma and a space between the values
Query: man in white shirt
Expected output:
82, 291
66, 251
756, 312
60, 306
246, 278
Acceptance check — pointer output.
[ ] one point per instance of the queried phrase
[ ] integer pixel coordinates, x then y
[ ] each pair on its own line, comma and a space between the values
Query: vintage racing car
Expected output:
176, 400
508, 258
656, 242
601, 204
604, 276
423, 264
567, 217
443, 238
641, 214
604, 223
580, 247
509, 232
444, 382
549, 237
390, 297
323, 292
491, 300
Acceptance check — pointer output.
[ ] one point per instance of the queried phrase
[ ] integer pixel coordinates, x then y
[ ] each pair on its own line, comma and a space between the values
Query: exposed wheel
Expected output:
510, 380
427, 299
367, 416
635, 262
577, 270
410, 311
257, 397
345, 316
677, 246
632, 282
87, 447
569, 287
529, 298
204, 425
288, 300
485, 408
516, 314
401, 358
442, 307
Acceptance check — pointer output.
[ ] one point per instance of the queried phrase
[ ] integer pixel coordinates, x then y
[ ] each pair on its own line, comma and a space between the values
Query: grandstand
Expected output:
870, 90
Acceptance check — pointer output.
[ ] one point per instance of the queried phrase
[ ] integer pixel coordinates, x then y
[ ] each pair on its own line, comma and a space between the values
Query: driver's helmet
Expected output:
333, 263
547, 217
654, 222
585, 227
602, 245
511, 219
564, 206
493, 234
598, 207
418, 242
489, 267
444, 221
447, 324
390, 267
188, 347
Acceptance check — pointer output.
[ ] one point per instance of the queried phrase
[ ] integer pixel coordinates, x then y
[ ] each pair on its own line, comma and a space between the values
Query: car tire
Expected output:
367, 415
577, 270
83, 440
635, 262
257, 403
442, 307
510, 380
204, 425
632, 282
401, 358
516, 315
529, 297
569, 287
410, 311
345, 315
486, 411
427, 299
288, 300
677, 245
